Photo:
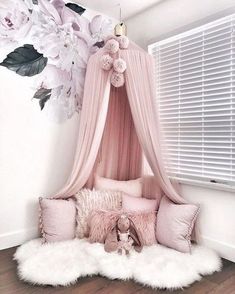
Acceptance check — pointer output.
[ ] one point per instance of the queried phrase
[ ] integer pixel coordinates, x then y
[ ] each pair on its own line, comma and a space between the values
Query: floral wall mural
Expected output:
53, 40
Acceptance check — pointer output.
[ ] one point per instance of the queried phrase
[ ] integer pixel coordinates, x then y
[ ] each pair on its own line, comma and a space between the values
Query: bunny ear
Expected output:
111, 240
135, 236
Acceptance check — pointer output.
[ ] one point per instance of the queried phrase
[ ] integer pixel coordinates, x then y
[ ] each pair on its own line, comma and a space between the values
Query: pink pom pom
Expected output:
112, 46
119, 65
106, 62
117, 79
123, 42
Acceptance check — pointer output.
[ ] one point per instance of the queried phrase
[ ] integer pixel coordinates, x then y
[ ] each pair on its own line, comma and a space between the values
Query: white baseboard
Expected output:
225, 250
15, 238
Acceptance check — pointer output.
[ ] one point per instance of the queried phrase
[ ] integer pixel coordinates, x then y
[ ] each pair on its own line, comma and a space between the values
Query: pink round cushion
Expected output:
138, 204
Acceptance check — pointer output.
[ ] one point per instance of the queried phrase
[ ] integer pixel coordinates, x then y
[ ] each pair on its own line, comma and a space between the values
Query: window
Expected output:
195, 81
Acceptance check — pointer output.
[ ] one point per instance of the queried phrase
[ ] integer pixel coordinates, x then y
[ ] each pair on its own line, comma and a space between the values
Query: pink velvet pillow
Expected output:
132, 187
101, 222
57, 219
175, 223
140, 204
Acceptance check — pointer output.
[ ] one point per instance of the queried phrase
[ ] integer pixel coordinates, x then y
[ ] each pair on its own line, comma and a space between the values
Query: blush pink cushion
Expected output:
175, 223
132, 187
145, 223
57, 219
138, 204
101, 222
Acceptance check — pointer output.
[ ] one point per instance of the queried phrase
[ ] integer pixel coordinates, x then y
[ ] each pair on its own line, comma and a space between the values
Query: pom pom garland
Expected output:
112, 46
106, 62
119, 65
117, 79
123, 42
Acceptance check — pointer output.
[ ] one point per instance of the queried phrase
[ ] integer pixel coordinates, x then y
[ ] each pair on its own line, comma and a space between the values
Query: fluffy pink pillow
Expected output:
132, 187
57, 219
175, 223
134, 204
145, 223
101, 222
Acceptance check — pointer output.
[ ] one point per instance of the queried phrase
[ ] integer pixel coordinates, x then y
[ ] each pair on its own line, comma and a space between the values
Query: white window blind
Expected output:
195, 81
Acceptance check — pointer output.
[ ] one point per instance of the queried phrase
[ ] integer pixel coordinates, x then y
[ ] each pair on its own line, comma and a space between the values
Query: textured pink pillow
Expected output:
145, 223
138, 204
175, 223
101, 222
132, 187
57, 219
89, 200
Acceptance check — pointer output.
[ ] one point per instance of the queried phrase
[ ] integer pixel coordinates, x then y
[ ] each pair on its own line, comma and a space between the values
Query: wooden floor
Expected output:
223, 282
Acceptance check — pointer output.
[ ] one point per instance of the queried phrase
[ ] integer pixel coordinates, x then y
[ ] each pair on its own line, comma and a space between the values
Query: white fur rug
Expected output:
63, 263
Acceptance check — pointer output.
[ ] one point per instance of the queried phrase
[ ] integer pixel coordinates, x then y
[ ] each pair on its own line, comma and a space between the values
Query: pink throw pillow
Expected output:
145, 223
57, 219
101, 222
132, 187
89, 200
175, 223
140, 204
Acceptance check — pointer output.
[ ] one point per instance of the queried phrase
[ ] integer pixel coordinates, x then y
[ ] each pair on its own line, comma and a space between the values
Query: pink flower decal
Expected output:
119, 65
106, 62
123, 42
117, 79
112, 46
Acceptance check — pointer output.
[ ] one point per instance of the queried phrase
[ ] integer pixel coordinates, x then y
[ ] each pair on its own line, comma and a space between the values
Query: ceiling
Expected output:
111, 7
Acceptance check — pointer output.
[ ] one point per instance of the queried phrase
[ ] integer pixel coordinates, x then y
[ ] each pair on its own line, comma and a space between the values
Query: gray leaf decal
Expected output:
25, 61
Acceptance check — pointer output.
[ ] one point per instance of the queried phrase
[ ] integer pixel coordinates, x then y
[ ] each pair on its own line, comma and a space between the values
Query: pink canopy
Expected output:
118, 126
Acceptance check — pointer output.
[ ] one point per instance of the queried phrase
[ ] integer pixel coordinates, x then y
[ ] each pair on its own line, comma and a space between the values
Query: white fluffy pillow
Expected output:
89, 200
131, 187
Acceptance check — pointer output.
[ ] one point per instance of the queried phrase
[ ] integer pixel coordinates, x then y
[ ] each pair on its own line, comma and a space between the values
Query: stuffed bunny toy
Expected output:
123, 237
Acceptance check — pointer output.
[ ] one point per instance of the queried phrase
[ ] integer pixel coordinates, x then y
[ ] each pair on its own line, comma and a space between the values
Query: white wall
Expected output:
169, 16
217, 217
36, 156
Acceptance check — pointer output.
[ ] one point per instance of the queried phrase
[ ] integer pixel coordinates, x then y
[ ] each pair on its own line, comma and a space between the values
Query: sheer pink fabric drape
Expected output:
120, 154
92, 122
124, 162
139, 78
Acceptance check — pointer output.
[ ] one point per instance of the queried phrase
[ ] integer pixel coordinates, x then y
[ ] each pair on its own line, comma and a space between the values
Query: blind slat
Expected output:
199, 71
192, 99
181, 69
201, 156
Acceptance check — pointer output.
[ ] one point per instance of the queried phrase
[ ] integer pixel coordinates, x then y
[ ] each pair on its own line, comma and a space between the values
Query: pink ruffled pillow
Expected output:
101, 222
132, 187
175, 223
57, 219
138, 204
